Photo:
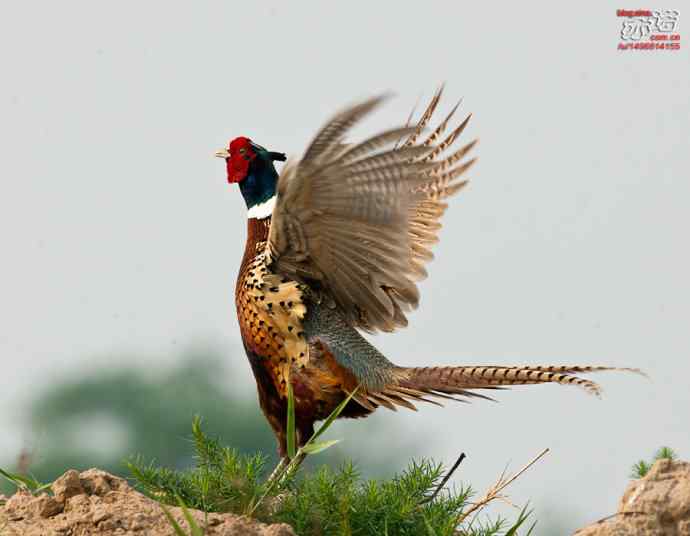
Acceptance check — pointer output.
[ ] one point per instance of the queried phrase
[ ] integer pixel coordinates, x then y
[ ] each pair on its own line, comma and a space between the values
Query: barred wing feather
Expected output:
356, 221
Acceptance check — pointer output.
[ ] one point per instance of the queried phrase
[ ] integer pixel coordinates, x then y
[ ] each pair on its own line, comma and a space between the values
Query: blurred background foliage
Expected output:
102, 418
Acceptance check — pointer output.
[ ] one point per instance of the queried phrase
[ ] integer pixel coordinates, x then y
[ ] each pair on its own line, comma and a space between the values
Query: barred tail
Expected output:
415, 384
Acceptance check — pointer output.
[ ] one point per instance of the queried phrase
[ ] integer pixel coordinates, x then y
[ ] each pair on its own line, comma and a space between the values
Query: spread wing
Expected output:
356, 221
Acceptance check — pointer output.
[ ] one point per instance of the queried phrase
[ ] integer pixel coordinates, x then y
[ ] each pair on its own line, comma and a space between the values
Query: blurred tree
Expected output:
100, 419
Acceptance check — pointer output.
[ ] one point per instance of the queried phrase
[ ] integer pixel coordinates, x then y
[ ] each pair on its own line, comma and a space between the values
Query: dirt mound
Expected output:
96, 502
656, 505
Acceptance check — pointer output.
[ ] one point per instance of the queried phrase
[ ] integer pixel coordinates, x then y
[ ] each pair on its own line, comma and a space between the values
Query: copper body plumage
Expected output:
341, 251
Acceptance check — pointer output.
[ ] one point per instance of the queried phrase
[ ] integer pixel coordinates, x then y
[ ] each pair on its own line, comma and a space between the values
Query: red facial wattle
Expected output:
241, 156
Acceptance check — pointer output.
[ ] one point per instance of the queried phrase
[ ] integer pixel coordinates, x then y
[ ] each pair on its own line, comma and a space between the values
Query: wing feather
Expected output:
356, 221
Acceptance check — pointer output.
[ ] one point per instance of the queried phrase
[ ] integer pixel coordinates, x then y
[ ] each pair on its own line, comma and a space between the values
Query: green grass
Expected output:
641, 468
326, 501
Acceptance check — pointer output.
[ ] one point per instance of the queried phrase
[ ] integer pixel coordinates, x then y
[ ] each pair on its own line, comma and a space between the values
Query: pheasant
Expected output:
335, 245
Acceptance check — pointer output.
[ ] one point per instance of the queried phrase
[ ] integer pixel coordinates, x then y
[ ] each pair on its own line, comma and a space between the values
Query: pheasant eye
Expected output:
243, 150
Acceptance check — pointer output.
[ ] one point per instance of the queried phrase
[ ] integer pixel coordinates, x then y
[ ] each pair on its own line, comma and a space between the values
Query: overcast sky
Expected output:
119, 232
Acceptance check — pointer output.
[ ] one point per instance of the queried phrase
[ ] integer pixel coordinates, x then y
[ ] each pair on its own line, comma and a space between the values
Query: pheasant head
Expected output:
251, 166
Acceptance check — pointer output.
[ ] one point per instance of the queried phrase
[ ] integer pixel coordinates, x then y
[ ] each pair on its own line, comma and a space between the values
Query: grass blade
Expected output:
24, 482
333, 416
43, 487
291, 423
524, 514
193, 526
314, 448
174, 524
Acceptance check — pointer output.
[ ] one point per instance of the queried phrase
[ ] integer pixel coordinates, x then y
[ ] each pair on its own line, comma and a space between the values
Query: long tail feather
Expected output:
461, 380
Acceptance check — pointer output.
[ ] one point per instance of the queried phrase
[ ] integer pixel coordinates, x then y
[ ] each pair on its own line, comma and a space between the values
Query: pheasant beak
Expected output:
223, 153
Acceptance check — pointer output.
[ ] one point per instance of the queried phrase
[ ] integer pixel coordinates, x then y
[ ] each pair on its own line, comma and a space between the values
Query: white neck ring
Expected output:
262, 210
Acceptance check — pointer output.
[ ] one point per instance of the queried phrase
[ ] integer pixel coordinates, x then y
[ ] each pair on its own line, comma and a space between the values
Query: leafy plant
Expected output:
665, 453
223, 479
326, 501
642, 467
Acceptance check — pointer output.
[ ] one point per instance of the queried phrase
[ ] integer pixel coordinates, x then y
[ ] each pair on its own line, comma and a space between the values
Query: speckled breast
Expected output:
270, 310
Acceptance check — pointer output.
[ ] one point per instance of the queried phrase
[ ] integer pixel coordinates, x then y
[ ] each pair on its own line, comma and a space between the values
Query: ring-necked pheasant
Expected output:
335, 244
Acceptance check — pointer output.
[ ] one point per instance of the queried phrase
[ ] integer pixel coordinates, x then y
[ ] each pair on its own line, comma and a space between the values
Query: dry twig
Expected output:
494, 492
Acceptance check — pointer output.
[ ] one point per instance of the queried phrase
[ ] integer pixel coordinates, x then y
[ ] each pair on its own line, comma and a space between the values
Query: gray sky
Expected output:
120, 234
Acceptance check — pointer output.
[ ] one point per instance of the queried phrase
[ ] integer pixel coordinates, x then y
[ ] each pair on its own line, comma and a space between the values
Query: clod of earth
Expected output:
656, 505
97, 502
